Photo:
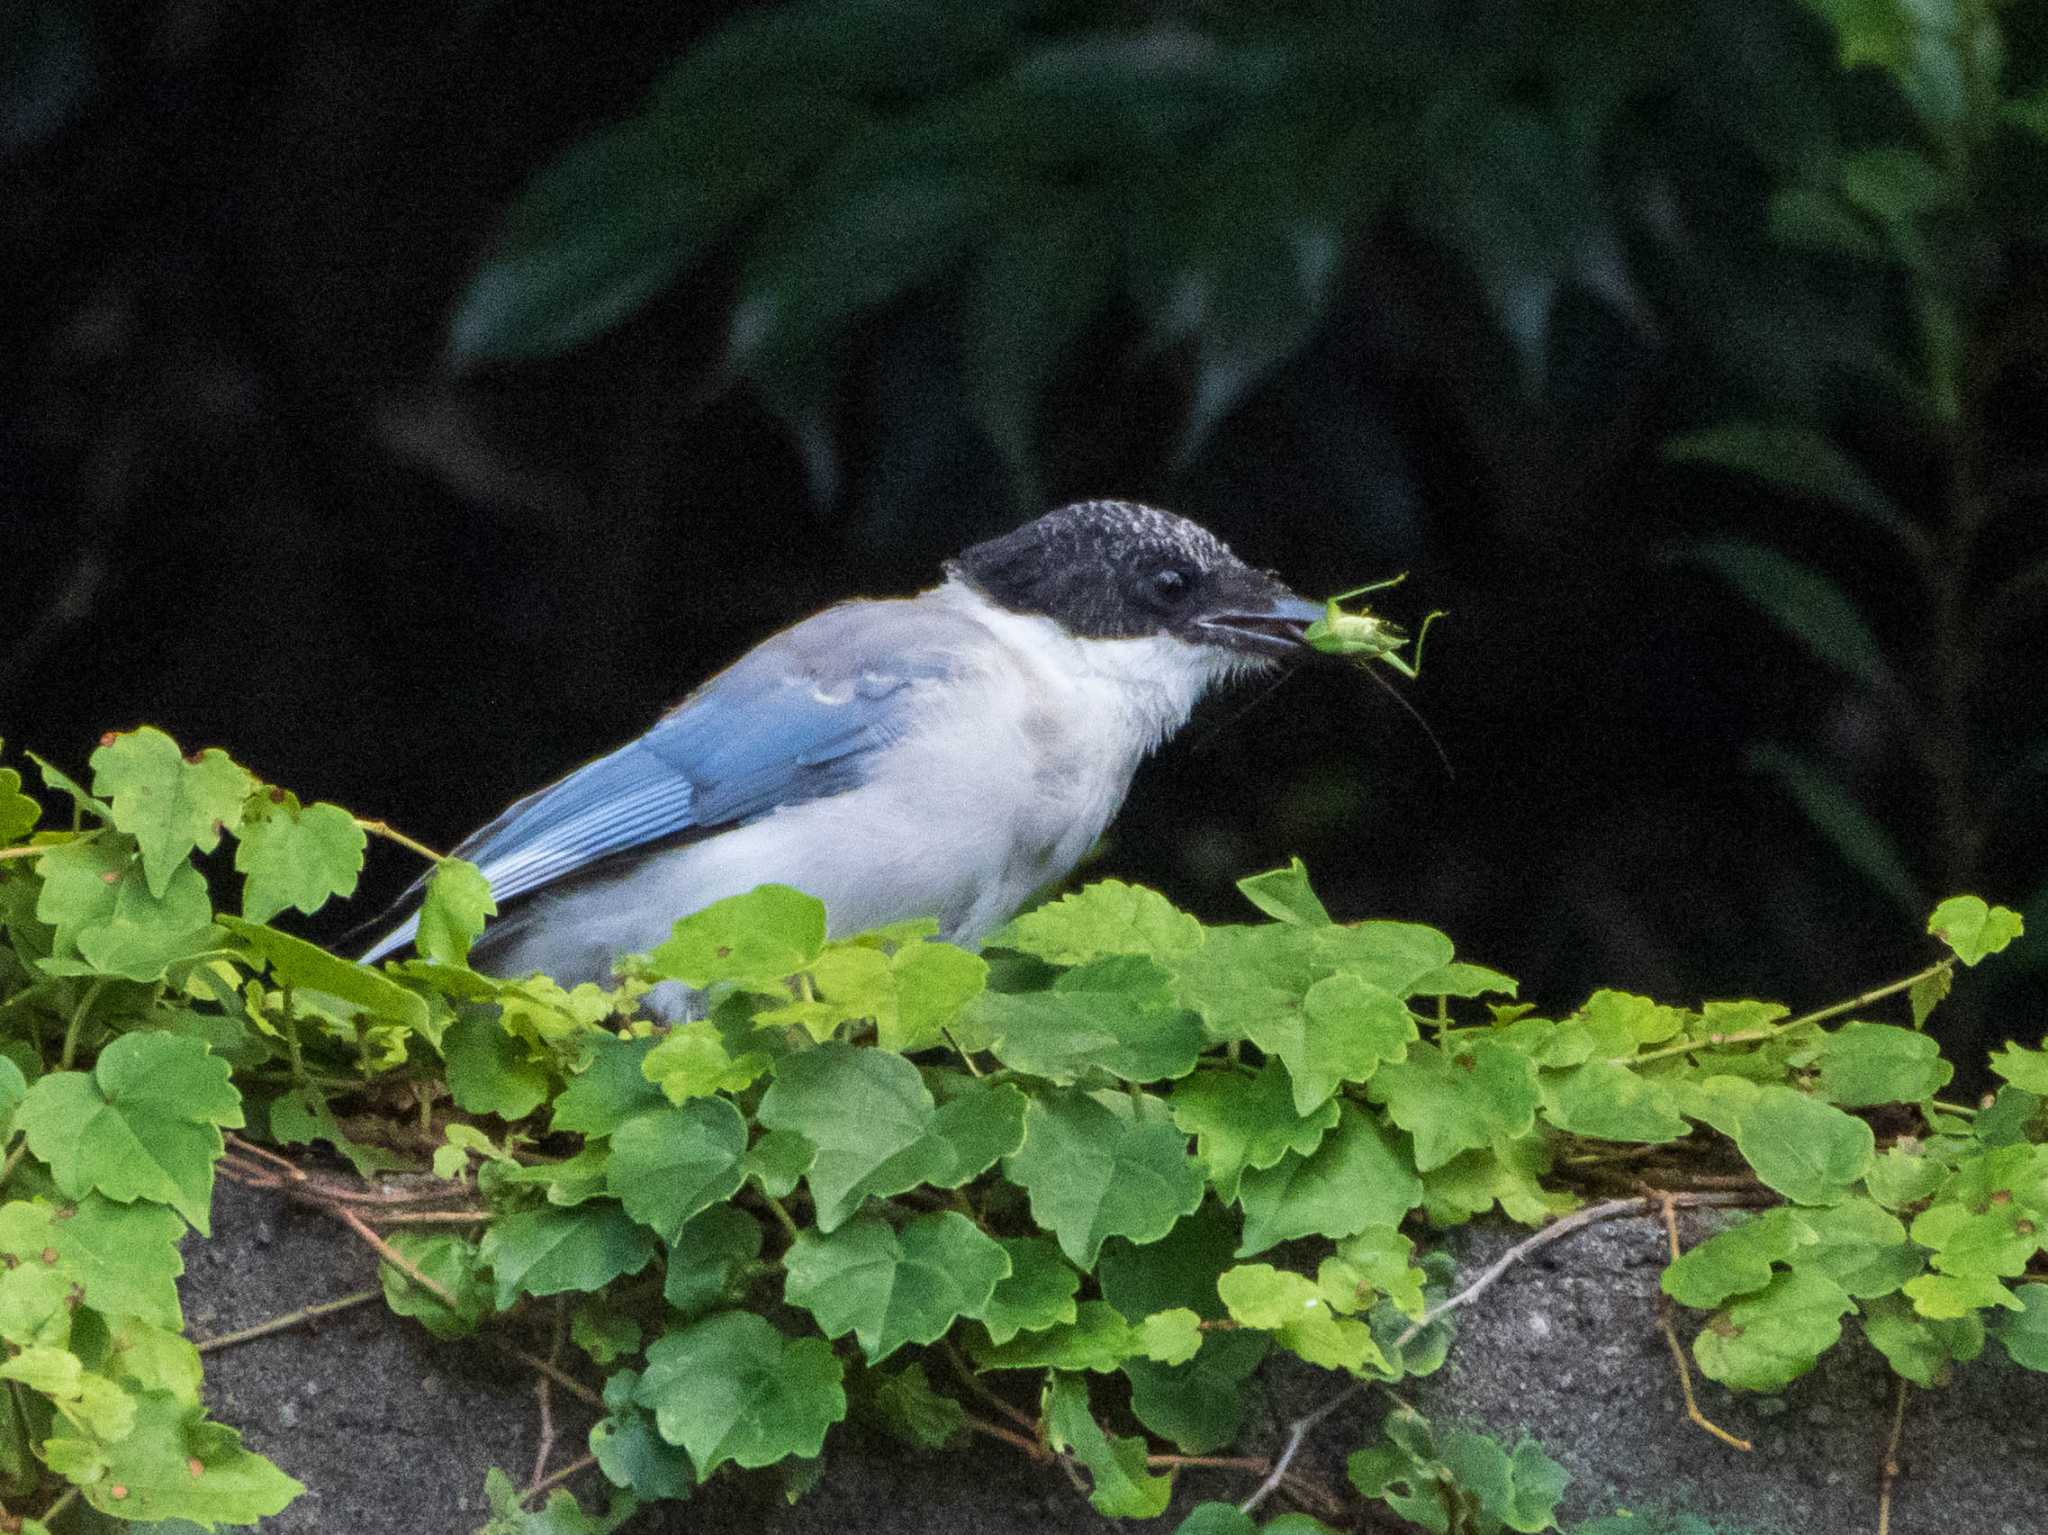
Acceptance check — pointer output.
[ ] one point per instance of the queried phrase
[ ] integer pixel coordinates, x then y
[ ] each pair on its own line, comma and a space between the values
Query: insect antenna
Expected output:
1212, 732
1415, 714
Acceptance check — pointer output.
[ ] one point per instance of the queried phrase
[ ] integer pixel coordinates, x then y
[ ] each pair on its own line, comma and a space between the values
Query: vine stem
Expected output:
553, 1372
77, 1024
28, 852
392, 1255
555, 1478
64, 1501
1890, 1474
1009, 1436
1772, 1031
1299, 1430
289, 1319
1664, 1325
391, 833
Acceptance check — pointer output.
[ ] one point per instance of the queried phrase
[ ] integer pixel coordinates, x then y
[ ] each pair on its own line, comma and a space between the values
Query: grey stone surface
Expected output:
392, 1431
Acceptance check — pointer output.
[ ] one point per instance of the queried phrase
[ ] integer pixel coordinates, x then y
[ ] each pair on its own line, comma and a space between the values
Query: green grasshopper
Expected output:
1365, 634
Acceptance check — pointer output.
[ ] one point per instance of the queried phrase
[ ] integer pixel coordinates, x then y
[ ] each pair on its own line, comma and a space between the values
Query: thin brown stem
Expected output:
289, 1319
555, 1479
975, 1384
391, 833
392, 1255
1664, 1325
555, 1373
1010, 1436
1889, 1477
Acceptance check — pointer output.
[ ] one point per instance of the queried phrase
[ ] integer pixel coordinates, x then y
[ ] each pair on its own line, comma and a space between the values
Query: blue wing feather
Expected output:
793, 720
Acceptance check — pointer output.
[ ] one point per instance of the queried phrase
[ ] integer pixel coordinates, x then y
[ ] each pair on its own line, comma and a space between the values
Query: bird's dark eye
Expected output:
1169, 584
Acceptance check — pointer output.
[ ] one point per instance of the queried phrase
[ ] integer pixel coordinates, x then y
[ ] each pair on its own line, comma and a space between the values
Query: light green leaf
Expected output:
670, 1163
295, 962
1908, 1342
2022, 1067
1737, 1261
1098, 1339
1169, 1337
1810, 1152
933, 982
1860, 1246
1926, 993
1245, 1122
152, 1467
96, 898
552, 1250
1356, 1178
1903, 1176
452, 914
145, 1124
1116, 1466
1944, 1297
1996, 1239
891, 1286
293, 857
1106, 918
1973, 929
1603, 1101
452, 1263
1285, 895
1862, 1064
1768, 1340
124, 1256
1094, 1170
871, 1118
1458, 1102
170, 805
489, 1071
18, 813
757, 939
730, 1387
777, 1160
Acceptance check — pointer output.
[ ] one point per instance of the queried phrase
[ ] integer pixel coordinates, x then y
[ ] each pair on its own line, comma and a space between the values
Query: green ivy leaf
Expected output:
1037, 1293
168, 804
604, 1332
1863, 1064
2025, 1335
731, 1388
1997, 1240
871, 1118
1345, 1029
1459, 1101
1169, 1337
152, 1465
1285, 895
1108, 917
1797, 459
452, 1263
18, 813
1095, 1166
1737, 1261
1973, 929
1177, 1271
2021, 1067
144, 1124
124, 1256
891, 1286
914, 1412
1860, 1246
933, 983
1606, 1102
777, 1160
1926, 993
452, 913
1098, 1339
95, 897
630, 1450
1200, 1405
296, 858
1123, 1487
1947, 1297
1356, 1178
489, 1071
669, 1164
560, 1515
1116, 1014
1918, 1349
1903, 1176
1245, 1122
1766, 1341
295, 962
1811, 1152
708, 1256
610, 1089
757, 939
551, 1250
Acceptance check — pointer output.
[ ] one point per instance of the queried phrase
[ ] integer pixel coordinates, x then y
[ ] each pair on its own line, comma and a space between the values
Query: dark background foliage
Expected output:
416, 400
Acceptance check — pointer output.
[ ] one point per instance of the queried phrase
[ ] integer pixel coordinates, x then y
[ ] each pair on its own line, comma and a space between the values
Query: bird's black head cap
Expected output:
1119, 570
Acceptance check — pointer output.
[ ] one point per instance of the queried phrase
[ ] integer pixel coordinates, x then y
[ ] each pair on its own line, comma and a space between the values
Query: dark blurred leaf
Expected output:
1893, 183
1037, 283
855, 48
1818, 219
623, 212
1862, 843
1798, 459
47, 70
1801, 601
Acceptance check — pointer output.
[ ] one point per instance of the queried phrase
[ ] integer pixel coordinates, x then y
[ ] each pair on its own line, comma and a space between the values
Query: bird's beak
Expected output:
1271, 624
